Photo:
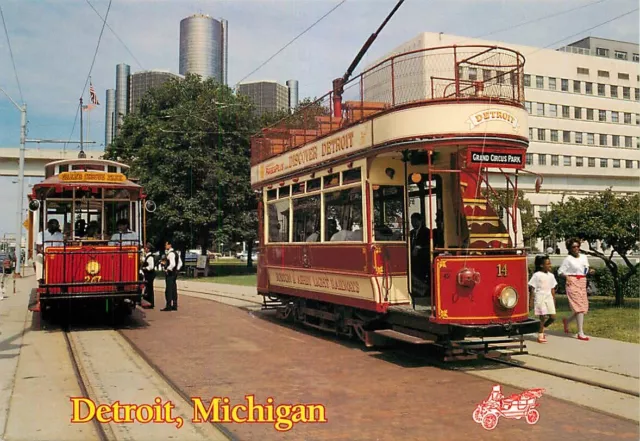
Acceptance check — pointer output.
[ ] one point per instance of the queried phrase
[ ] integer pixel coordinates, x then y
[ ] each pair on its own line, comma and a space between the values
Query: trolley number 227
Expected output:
92, 279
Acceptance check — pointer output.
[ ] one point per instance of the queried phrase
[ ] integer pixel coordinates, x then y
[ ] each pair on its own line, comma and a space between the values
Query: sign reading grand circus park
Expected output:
477, 157
92, 177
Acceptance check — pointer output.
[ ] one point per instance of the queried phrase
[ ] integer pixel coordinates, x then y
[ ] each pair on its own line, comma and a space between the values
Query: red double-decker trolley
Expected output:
374, 211
94, 255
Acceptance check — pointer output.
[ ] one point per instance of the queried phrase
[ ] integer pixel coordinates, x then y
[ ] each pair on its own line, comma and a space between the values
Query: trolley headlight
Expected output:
508, 297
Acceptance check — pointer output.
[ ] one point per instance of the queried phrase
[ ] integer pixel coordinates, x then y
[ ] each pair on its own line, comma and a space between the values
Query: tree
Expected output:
302, 117
601, 217
504, 199
188, 144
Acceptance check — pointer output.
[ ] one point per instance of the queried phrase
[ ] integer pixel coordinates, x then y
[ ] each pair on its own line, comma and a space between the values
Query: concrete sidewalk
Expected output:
14, 323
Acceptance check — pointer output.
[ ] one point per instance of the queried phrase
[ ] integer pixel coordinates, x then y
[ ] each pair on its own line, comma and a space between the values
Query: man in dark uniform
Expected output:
420, 244
149, 273
171, 276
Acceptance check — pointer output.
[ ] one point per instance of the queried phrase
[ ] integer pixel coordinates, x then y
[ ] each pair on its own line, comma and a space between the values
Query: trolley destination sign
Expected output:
91, 177
477, 157
342, 143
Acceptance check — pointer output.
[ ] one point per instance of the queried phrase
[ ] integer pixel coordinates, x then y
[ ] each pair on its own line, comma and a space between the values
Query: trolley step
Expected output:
390, 333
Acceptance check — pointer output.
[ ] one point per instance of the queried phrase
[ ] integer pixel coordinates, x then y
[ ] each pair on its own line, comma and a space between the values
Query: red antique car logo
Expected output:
514, 407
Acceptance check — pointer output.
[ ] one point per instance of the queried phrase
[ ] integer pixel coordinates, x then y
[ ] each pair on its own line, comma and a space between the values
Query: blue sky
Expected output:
54, 42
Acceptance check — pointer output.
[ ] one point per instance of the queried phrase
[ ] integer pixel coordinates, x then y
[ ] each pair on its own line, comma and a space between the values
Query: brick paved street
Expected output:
209, 349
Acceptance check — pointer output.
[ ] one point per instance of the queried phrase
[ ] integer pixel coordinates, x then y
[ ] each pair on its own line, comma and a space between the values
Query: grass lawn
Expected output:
603, 319
230, 272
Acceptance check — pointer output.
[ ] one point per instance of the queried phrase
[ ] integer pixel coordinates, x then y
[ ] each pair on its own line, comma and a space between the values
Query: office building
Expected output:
584, 124
268, 96
204, 47
142, 82
602, 47
122, 94
109, 117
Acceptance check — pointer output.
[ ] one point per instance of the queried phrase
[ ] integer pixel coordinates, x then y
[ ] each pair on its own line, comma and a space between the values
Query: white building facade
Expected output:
584, 123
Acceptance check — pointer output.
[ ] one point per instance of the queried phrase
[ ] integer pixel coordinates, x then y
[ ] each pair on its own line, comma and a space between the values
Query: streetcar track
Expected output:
104, 431
76, 364
515, 364
226, 432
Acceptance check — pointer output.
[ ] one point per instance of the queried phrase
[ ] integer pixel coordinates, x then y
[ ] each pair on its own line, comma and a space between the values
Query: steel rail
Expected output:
75, 363
218, 426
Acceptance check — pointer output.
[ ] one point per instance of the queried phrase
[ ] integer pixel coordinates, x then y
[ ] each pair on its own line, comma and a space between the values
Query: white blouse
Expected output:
574, 266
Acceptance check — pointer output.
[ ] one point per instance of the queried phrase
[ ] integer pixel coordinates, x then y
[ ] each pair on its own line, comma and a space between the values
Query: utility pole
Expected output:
23, 141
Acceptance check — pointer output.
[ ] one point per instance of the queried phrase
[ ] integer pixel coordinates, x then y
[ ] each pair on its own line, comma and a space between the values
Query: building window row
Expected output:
589, 88
597, 139
555, 111
580, 161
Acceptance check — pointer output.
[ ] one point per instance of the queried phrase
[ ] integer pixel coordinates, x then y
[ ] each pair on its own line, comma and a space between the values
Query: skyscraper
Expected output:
109, 117
293, 94
268, 96
142, 82
122, 94
203, 47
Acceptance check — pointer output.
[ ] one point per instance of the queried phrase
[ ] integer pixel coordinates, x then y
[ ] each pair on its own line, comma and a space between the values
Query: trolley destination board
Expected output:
478, 157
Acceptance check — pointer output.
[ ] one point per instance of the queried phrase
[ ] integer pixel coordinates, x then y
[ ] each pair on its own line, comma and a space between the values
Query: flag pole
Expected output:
81, 154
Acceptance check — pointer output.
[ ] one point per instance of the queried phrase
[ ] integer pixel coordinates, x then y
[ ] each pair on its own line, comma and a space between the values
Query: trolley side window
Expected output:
388, 213
343, 215
62, 212
278, 220
306, 219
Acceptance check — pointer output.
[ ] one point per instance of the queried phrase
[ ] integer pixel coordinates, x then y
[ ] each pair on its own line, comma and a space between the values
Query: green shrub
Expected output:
603, 281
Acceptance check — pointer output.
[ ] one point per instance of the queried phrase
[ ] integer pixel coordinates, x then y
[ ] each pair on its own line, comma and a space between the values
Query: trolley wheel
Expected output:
533, 416
490, 421
477, 415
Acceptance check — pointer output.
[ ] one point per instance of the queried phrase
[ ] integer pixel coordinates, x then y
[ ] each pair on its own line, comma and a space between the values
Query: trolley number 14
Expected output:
502, 270
92, 279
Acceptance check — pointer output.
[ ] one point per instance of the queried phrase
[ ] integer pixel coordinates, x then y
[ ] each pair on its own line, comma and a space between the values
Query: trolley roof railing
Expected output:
420, 77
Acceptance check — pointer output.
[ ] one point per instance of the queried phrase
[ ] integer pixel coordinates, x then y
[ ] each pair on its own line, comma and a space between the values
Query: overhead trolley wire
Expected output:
290, 42
6, 32
555, 14
116, 35
585, 30
104, 22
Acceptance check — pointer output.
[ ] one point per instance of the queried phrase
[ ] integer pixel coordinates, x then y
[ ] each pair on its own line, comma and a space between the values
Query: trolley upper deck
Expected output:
462, 95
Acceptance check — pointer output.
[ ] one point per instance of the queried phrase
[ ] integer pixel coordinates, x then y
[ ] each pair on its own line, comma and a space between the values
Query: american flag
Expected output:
94, 97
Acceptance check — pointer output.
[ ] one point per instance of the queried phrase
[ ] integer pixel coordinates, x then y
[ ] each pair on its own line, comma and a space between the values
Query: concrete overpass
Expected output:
36, 158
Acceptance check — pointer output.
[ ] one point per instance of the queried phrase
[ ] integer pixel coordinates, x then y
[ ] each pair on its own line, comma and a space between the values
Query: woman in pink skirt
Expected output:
575, 268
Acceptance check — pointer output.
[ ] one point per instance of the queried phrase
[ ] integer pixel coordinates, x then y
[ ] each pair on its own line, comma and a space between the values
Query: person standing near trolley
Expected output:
52, 238
575, 268
149, 273
173, 264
